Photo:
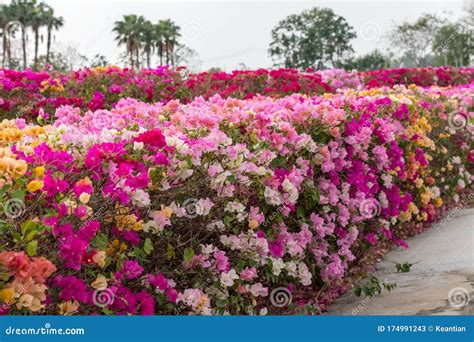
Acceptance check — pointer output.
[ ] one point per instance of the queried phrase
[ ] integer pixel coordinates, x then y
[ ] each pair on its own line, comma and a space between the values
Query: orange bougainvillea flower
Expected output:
41, 269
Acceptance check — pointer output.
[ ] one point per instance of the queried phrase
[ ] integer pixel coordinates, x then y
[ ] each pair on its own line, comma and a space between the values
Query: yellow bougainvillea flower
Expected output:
19, 169
35, 185
39, 171
425, 198
413, 208
31, 302
39, 296
167, 211
100, 283
253, 224
137, 226
424, 216
99, 258
69, 307
84, 197
7, 295
405, 216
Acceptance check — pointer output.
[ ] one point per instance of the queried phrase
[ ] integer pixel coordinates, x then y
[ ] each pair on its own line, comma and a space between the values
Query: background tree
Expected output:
128, 32
141, 38
4, 19
21, 16
316, 38
22, 10
185, 56
38, 17
414, 40
370, 61
148, 40
64, 57
52, 23
99, 60
167, 33
452, 45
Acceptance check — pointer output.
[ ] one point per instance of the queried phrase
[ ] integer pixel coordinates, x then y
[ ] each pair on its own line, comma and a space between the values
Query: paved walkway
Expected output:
441, 281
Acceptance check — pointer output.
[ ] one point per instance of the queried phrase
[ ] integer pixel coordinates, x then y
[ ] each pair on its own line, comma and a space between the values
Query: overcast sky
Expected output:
227, 33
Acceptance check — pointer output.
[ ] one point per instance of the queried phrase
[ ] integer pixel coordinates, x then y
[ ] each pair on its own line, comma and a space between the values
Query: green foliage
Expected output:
188, 255
140, 36
373, 287
33, 15
414, 40
316, 38
148, 246
371, 61
404, 267
453, 45
99, 60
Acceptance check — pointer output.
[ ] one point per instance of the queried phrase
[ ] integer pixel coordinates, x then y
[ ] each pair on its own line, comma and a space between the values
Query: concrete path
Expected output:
441, 281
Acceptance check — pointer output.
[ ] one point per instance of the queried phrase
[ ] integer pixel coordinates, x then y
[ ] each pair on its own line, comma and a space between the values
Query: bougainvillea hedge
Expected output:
30, 94
208, 207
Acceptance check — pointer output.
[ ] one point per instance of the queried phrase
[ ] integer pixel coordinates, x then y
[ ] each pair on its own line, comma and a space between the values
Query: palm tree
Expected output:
148, 40
22, 11
128, 32
52, 23
4, 19
159, 41
38, 19
169, 32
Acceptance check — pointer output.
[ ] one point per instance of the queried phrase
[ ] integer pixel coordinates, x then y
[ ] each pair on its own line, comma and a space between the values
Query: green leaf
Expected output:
404, 268
232, 179
137, 253
100, 241
18, 194
28, 226
107, 311
300, 212
148, 246
170, 252
4, 189
31, 235
16, 236
227, 220
188, 255
32, 247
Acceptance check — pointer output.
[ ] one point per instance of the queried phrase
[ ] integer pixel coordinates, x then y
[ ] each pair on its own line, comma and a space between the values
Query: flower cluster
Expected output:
205, 207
